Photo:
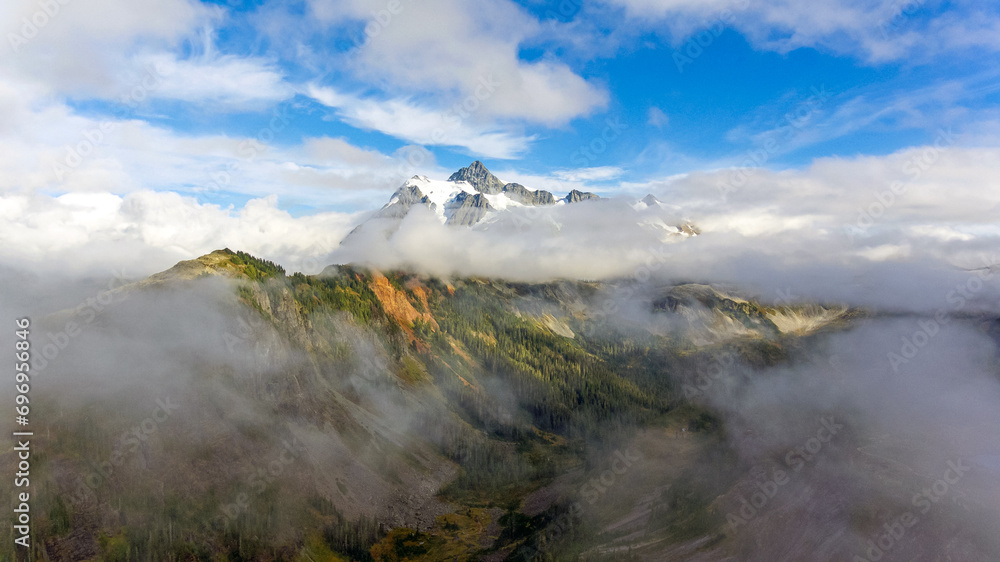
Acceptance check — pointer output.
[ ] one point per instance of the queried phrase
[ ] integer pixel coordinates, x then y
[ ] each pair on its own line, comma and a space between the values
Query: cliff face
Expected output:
525, 196
479, 177
405, 199
467, 209
576, 196
397, 305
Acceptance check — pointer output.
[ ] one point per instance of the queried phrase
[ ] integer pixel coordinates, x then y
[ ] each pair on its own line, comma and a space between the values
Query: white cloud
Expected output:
147, 231
46, 147
449, 48
829, 227
84, 48
406, 120
600, 173
876, 223
927, 185
116, 49
221, 82
877, 30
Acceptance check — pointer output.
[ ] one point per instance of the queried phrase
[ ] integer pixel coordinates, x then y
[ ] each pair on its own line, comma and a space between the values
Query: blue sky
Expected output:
693, 97
688, 85
322, 108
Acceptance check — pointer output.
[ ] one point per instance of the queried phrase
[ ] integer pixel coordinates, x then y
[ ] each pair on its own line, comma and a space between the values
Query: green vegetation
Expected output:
566, 388
255, 269
353, 539
512, 403
348, 291
455, 536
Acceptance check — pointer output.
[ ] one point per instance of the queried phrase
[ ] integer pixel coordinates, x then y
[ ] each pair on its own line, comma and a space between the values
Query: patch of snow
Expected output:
501, 201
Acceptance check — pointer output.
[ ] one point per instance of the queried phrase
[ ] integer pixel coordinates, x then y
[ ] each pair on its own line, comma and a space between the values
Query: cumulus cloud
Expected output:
129, 53
900, 231
452, 47
75, 100
897, 231
47, 146
145, 232
82, 49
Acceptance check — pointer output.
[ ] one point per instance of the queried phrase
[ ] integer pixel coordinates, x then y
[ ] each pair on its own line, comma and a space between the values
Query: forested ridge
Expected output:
513, 402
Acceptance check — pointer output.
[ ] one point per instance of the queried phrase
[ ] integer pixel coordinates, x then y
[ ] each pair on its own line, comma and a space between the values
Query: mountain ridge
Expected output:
474, 197
458, 414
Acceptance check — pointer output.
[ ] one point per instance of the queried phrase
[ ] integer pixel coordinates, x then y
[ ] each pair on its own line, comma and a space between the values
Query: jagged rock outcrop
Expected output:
525, 196
468, 209
479, 177
474, 197
650, 200
576, 196
402, 201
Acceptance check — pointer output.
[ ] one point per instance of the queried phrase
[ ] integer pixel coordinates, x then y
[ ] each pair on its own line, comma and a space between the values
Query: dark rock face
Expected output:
479, 177
525, 196
467, 209
577, 196
408, 195
650, 201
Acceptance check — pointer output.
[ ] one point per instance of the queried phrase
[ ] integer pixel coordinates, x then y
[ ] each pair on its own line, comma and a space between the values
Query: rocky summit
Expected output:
474, 197
479, 177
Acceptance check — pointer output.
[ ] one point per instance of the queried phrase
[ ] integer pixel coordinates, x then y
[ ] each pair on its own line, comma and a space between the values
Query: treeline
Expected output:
255, 269
348, 291
567, 389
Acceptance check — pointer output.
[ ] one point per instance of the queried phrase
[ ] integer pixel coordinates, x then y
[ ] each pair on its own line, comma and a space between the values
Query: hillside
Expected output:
367, 415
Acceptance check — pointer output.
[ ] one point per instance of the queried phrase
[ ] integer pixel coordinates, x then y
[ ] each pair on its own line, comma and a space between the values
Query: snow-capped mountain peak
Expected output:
474, 196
